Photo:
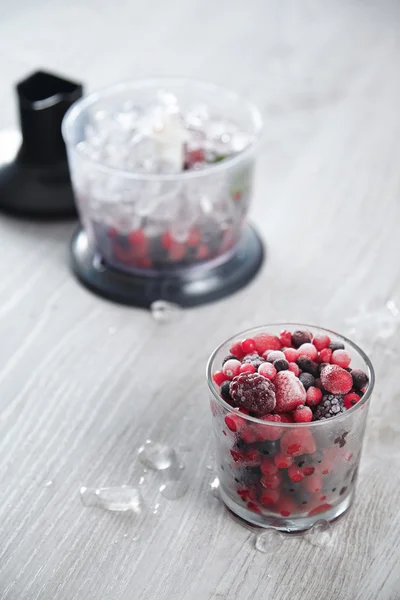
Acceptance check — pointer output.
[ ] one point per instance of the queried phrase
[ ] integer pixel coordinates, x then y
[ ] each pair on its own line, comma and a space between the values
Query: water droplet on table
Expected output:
49, 483
214, 487
269, 541
392, 308
157, 456
209, 467
174, 490
165, 312
121, 498
320, 534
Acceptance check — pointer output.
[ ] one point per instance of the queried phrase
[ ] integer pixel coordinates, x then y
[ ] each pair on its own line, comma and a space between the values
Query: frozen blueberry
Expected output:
224, 389
336, 346
306, 379
301, 337
307, 365
281, 364
268, 448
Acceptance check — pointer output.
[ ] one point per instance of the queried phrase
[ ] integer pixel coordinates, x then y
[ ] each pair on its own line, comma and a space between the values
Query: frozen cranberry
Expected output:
321, 341
351, 399
248, 346
267, 370
314, 396
303, 414
291, 354
268, 497
219, 377
282, 461
268, 467
341, 358
231, 368
294, 368
295, 473
325, 355
266, 341
308, 350
247, 368
235, 422
286, 506
271, 482
236, 349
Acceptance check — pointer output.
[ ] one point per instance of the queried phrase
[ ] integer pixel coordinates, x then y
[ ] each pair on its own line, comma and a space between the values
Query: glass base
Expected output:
286, 524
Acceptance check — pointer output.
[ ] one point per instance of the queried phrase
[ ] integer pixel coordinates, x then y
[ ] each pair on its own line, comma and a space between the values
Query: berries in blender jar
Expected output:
290, 382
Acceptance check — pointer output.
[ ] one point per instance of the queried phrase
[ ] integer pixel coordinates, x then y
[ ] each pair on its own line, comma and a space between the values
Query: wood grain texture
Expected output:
76, 401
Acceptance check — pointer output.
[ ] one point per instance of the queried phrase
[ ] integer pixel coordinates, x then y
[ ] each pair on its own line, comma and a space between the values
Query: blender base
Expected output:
190, 287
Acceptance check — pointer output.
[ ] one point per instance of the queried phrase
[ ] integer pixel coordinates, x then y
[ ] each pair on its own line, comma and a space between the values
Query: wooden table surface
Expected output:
84, 382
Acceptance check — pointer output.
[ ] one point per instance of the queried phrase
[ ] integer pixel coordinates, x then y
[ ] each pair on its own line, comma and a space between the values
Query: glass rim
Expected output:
83, 103
313, 424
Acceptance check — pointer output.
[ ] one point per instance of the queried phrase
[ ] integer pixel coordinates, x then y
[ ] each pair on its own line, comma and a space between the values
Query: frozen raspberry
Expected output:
267, 370
224, 391
281, 364
248, 346
294, 368
273, 355
266, 341
290, 392
235, 422
236, 349
321, 341
268, 467
307, 380
253, 359
314, 396
325, 355
269, 497
329, 407
302, 414
285, 338
219, 377
291, 354
286, 417
336, 346
282, 461
306, 364
247, 368
360, 379
341, 358
301, 337
295, 474
253, 392
297, 441
350, 400
231, 368
336, 380
308, 350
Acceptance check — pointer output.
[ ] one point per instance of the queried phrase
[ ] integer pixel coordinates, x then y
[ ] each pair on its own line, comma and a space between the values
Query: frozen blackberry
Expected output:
336, 346
330, 406
253, 359
224, 391
281, 364
308, 365
360, 379
268, 448
253, 392
307, 380
301, 337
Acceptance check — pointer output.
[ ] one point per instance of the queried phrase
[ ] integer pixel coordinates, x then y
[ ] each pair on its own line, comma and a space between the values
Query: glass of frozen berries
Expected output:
289, 405
162, 171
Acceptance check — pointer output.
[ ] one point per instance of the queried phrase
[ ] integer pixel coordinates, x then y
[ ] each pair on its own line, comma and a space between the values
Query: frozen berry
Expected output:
247, 368
360, 379
228, 358
325, 355
336, 346
268, 497
289, 390
297, 441
291, 354
253, 359
321, 341
266, 341
308, 350
295, 474
314, 396
285, 338
303, 414
268, 448
273, 355
286, 506
308, 471
271, 482
268, 467
281, 364
224, 391
263, 432
330, 406
341, 358
286, 417
267, 370
350, 400
253, 392
219, 377
294, 368
231, 368
234, 422
236, 349
282, 461
301, 337
306, 364
313, 484
336, 380
248, 346
307, 380
248, 435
